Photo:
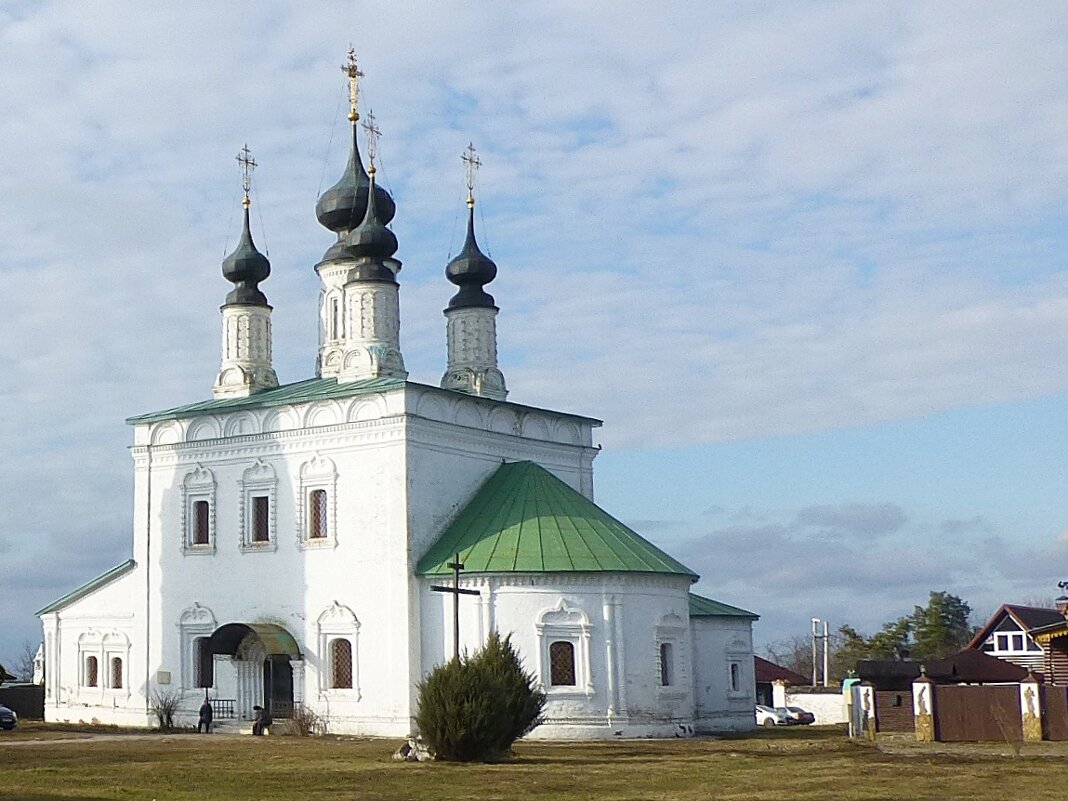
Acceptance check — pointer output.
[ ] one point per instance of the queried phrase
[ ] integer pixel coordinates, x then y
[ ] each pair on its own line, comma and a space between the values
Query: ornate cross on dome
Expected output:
248, 164
472, 163
373, 133
354, 75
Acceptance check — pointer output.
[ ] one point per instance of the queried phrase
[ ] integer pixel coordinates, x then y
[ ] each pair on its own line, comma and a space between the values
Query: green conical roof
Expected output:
524, 519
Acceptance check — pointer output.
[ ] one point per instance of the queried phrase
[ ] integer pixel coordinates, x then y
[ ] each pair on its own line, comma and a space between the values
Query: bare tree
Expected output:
23, 664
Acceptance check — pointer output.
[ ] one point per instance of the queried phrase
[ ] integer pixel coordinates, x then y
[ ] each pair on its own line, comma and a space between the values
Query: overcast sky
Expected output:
808, 261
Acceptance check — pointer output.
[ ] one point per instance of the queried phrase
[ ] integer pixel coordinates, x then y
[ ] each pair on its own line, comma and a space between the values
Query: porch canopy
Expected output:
276, 640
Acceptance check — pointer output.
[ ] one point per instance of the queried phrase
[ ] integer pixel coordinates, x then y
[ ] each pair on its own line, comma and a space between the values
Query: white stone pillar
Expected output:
608, 615
246, 352
1031, 708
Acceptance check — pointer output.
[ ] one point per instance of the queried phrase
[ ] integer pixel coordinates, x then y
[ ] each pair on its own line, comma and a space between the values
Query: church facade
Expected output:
290, 542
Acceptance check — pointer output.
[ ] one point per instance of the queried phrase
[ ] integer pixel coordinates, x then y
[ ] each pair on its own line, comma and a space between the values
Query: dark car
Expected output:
799, 715
8, 718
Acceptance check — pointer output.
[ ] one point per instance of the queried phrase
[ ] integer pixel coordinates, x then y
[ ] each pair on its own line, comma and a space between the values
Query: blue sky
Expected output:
806, 260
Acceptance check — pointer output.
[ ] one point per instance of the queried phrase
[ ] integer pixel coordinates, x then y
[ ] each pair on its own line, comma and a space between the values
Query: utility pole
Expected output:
826, 653
816, 637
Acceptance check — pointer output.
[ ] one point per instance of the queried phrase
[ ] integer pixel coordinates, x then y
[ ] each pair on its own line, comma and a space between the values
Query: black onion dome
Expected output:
245, 268
471, 270
341, 206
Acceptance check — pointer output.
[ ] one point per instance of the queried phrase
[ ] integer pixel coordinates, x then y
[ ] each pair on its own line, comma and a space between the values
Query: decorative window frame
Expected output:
259, 480
318, 473
198, 485
569, 623
671, 630
338, 622
740, 653
105, 647
195, 622
115, 645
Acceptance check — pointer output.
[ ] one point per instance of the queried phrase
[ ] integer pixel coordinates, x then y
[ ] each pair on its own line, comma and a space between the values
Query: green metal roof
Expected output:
312, 389
88, 587
706, 607
523, 519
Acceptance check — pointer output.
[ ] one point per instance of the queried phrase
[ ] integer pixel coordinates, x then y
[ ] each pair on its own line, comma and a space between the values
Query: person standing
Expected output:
207, 715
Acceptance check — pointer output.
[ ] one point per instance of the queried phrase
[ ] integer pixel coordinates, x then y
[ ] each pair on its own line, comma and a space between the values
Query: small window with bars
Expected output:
261, 518
116, 672
341, 664
92, 672
317, 515
201, 512
562, 664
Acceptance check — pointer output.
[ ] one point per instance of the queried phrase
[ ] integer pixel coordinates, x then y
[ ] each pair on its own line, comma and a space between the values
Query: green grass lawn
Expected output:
41, 762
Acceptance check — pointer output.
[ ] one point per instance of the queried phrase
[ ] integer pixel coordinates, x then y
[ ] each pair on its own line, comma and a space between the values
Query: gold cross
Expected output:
248, 164
472, 163
373, 133
354, 75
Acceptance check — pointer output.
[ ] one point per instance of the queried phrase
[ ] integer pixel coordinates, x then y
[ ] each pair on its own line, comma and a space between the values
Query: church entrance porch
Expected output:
252, 665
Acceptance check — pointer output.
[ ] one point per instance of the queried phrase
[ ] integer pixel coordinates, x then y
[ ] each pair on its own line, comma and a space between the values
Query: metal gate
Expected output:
978, 713
1054, 712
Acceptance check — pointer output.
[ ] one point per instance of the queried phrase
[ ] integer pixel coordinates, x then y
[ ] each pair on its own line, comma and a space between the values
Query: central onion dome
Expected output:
245, 268
341, 207
471, 270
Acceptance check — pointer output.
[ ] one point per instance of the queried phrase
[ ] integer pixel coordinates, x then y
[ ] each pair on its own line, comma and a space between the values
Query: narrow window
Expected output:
666, 665
92, 672
1017, 642
260, 518
116, 672
334, 327
736, 678
317, 528
562, 664
205, 662
341, 664
200, 523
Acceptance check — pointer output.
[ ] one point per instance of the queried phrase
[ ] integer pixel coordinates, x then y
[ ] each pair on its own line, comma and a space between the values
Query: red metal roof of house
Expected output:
767, 672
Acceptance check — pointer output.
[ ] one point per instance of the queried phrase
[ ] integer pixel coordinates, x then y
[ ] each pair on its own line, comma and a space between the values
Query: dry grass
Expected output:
42, 763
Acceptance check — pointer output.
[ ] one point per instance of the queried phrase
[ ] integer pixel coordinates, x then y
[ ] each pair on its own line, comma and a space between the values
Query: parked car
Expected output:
8, 718
767, 716
799, 715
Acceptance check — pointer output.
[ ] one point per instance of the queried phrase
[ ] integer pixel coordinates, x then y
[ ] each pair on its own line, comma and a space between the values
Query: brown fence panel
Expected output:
978, 713
1054, 712
27, 700
893, 710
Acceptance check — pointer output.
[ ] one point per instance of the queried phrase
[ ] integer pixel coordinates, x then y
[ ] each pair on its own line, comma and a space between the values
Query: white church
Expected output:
287, 539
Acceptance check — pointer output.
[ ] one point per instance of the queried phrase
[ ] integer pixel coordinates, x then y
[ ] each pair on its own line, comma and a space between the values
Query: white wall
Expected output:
720, 642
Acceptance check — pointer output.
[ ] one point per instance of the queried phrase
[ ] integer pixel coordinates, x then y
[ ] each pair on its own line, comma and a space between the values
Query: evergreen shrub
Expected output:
474, 708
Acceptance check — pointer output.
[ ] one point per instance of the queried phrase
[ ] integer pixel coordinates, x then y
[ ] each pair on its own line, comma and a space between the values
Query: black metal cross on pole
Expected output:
456, 591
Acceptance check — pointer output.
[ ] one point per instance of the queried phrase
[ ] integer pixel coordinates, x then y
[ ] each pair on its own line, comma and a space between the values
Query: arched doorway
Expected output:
259, 670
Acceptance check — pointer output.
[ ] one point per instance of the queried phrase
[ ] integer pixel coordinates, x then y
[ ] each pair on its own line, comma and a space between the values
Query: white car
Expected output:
768, 716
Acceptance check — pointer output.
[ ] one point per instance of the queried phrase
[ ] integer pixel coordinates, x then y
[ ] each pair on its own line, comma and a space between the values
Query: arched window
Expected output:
92, 672
667, 665
317, 514
340, 664
116, 672
562, 664
200, 523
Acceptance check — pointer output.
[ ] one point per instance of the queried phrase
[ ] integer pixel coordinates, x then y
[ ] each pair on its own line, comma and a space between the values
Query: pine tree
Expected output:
475, 707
